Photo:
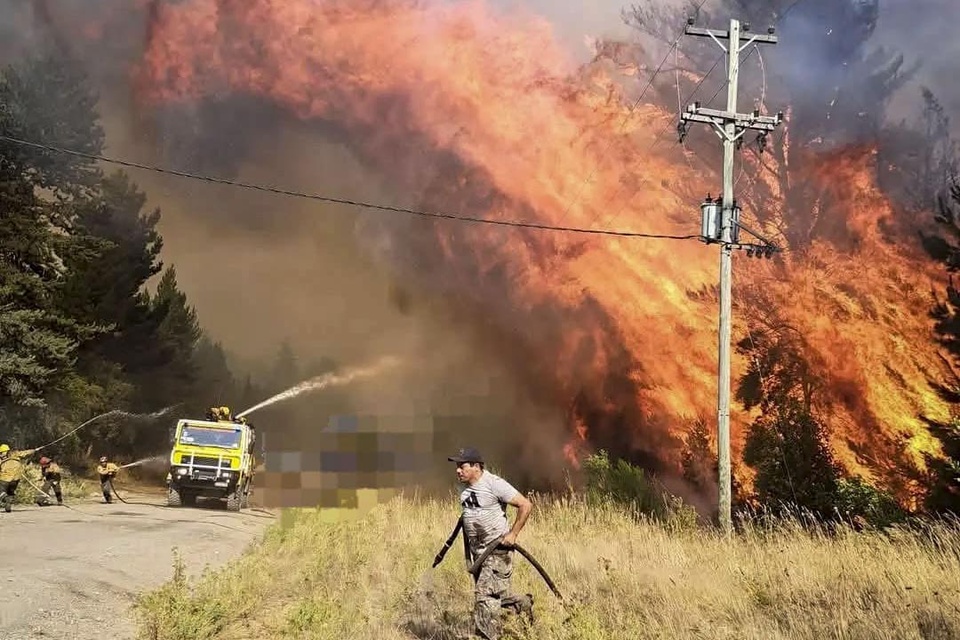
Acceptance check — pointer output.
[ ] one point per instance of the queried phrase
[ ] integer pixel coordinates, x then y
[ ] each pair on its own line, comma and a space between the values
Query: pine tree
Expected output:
786, 445
176, 333
45, 99
79, 333
788, 449
698, 458
215, 384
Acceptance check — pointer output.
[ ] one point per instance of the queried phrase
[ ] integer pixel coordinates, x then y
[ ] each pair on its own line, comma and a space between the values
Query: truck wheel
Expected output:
233, 500
173, 497
245, 499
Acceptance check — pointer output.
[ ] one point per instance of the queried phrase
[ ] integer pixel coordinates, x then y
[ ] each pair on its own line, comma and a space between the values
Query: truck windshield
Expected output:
206, 437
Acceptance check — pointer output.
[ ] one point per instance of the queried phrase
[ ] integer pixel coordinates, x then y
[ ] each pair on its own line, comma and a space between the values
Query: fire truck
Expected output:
212, 458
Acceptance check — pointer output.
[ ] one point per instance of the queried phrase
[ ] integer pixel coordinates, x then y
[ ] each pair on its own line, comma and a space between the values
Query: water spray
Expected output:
324, 381
144, 461
115, 412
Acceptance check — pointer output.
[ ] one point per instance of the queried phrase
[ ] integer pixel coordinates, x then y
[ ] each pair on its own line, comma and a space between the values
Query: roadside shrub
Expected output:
630, 488
857, 500
173, 613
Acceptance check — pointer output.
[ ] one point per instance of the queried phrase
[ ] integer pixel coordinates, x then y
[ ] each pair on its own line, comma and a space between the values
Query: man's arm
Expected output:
524, 507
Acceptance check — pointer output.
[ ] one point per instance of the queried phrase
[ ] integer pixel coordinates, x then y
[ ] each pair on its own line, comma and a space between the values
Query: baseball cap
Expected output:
468, 454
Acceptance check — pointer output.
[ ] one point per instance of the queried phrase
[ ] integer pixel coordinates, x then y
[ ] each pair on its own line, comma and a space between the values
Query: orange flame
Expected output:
419, 81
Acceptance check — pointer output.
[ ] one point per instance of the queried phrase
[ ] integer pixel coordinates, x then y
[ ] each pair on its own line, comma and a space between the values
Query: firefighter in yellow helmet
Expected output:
11, 471
107, 470
225, 414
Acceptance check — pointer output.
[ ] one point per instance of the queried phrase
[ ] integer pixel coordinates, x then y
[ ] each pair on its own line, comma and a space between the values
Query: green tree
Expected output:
44, 99
117, 251
859, 502
787, 447
698, 458
121, 249
79, 332
215, 383
172, 370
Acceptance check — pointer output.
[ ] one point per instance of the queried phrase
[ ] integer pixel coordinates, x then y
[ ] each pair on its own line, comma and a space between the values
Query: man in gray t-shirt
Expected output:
484, 500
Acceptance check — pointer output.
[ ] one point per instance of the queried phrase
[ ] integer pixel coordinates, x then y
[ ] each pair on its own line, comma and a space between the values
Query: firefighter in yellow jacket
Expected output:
107, 470
51, 474
11, 471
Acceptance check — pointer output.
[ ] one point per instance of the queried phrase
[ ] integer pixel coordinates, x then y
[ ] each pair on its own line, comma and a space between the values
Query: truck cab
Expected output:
211, 459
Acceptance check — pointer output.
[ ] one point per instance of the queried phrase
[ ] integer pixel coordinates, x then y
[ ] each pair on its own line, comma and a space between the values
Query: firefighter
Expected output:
225, 414
11, 471
51, 474
213, 414
107, 471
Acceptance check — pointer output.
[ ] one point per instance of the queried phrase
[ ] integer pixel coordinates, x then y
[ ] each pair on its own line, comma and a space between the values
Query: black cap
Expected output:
466, 455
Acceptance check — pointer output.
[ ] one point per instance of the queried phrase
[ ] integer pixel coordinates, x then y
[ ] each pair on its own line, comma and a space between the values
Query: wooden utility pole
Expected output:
730, 126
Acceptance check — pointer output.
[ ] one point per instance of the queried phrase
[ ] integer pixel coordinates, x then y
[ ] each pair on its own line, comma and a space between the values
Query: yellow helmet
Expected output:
4, 448
225, 413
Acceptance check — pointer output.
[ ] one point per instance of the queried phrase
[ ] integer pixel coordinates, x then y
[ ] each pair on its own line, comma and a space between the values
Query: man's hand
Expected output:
509, 540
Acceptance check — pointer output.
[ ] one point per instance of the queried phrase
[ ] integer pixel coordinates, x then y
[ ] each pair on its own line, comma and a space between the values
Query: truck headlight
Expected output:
181, 471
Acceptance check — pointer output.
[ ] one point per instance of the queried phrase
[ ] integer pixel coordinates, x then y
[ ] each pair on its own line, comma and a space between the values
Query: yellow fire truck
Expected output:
211, 458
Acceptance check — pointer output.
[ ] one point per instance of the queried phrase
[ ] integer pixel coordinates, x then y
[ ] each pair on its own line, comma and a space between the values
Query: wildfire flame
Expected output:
483, 113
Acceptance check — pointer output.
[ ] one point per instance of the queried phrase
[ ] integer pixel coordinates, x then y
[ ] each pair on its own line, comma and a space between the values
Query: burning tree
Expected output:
837, 90
473, 111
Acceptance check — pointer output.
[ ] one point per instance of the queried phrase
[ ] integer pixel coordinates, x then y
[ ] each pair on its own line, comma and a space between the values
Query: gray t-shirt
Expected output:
485, 510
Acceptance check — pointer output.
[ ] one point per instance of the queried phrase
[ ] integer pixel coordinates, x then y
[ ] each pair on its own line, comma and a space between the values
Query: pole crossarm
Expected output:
696, 113
720, 34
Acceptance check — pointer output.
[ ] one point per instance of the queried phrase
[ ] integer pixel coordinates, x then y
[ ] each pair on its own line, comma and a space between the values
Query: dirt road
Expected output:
74, 573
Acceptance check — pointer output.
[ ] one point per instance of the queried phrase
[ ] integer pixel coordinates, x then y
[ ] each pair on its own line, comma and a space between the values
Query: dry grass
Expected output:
621, 579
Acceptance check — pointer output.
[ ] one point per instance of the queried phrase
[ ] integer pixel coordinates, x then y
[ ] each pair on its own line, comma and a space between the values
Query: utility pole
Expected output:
720, 219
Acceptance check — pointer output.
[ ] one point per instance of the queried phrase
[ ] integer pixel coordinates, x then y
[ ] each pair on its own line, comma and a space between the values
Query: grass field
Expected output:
311, 577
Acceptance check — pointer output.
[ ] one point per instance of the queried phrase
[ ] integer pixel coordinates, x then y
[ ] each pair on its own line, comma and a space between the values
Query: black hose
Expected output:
446, 545
474, 569
543, 572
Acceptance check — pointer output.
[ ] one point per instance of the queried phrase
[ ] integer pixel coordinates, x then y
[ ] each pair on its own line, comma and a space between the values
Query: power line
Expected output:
344, 201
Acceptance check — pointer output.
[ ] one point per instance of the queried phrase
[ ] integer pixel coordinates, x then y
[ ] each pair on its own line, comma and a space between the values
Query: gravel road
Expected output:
73, 573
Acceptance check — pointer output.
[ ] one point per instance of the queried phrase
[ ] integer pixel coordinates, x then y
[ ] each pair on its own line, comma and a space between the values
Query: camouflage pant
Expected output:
492, 593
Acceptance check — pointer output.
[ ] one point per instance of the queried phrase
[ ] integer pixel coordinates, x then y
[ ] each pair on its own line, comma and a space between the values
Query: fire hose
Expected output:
474, 567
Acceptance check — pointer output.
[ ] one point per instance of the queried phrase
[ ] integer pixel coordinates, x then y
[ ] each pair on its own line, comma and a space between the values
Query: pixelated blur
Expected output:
351, 463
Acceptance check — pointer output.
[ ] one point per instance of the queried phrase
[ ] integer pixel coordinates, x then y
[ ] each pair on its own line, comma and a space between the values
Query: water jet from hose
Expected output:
115, 412
323, 381
145, 461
